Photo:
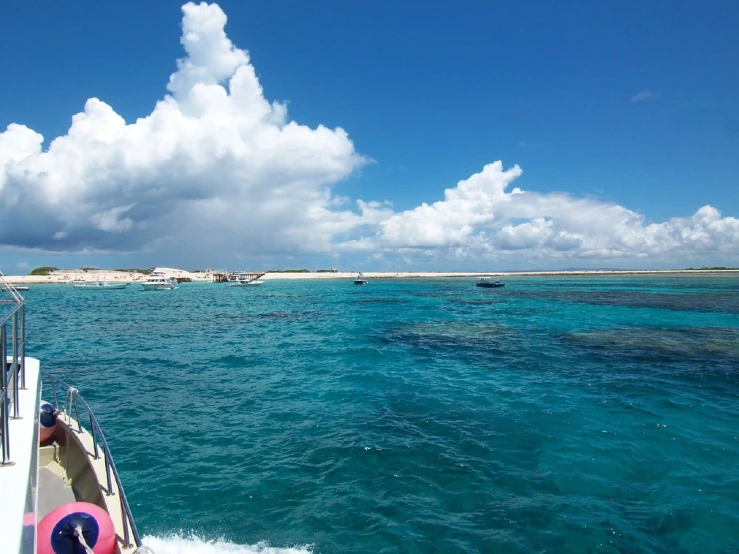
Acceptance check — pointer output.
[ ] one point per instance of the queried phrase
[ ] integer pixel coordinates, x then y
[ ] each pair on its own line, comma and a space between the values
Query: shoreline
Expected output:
76, 276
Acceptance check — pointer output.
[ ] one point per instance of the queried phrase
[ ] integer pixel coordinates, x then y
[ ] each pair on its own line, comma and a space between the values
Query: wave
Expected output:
192, 544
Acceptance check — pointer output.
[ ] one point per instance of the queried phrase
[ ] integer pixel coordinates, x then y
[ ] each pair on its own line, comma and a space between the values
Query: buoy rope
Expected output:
81, 538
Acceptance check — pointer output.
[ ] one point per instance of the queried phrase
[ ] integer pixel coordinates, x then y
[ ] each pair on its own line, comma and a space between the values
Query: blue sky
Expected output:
629, 103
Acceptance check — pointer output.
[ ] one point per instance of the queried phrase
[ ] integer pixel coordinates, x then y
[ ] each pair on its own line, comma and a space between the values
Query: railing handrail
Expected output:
5, 318
75, 397
16, 371
16, 299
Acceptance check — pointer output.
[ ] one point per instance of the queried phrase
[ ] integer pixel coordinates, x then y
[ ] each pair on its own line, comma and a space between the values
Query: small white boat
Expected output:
19, 288
360, 280
242, 280
101, 285
157, 281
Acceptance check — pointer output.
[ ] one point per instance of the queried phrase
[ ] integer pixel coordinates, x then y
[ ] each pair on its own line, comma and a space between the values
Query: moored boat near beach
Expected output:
20, 288
157, 282
487, 283
243, 280
360, 280
101, 285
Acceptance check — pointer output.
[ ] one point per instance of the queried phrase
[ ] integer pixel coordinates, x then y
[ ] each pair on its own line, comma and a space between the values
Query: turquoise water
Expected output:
555, 415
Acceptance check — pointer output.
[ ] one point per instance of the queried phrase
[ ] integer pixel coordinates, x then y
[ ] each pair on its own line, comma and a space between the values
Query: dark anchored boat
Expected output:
360, 280
489, 284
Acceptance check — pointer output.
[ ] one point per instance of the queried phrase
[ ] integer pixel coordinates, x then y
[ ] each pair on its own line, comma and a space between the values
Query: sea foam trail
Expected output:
192, 544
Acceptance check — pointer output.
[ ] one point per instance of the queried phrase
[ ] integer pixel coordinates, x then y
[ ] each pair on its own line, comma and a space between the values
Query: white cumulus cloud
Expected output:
213, 154
218, 168
482, 220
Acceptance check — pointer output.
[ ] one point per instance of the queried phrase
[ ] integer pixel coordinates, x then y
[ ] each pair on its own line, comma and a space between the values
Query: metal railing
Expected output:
13, 331
71, 408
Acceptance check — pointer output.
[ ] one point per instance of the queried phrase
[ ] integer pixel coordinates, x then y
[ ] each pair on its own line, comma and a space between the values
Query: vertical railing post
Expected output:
107, 471
3, 345
14, 366
4, 356
53, 392
92, 432
4, 428
5, 399
76, 412
14, 345
125, 514
23, 345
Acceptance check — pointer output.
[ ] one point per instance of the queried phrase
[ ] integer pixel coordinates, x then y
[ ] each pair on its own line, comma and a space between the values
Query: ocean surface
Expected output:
415, 416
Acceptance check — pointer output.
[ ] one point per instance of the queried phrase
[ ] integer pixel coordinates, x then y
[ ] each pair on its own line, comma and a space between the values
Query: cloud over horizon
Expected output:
216, 167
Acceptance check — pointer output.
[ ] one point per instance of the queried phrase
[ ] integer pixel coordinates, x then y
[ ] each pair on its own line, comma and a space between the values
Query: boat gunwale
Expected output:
100, 460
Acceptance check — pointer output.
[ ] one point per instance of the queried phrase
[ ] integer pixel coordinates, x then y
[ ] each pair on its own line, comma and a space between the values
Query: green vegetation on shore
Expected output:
136, 270
43, 270
47, 270
718, 268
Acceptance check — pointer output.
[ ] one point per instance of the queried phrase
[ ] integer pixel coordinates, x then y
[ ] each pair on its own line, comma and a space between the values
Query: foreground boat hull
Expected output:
73, 468
59, 487
69, 473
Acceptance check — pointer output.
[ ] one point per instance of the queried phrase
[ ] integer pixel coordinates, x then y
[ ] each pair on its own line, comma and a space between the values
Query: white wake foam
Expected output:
192, 544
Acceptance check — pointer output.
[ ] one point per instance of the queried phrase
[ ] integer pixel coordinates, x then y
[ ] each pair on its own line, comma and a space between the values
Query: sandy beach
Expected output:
63, 276
92, 275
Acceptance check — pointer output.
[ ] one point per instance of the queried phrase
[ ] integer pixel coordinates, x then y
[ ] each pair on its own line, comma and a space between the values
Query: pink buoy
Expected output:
58, 532
46, 421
